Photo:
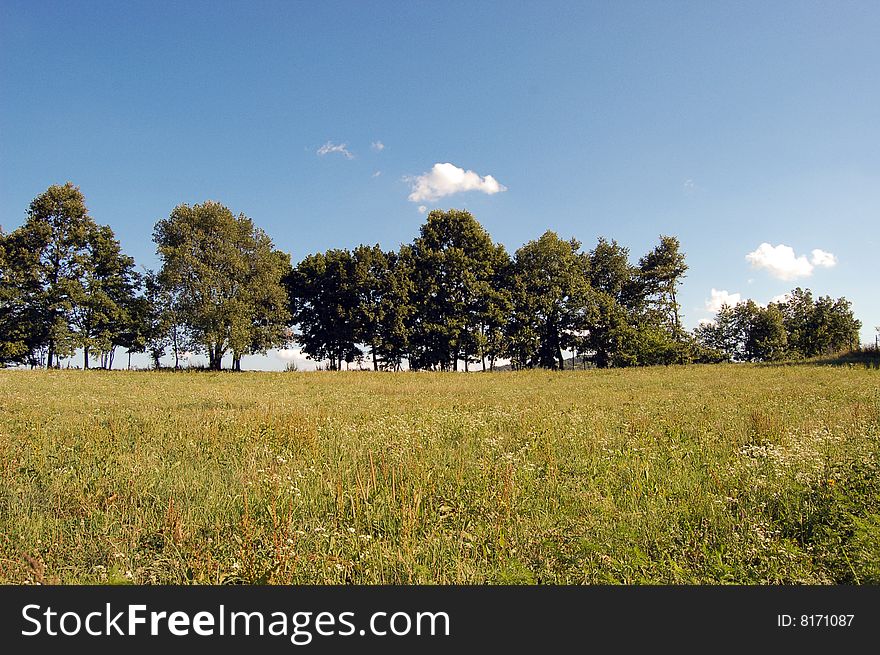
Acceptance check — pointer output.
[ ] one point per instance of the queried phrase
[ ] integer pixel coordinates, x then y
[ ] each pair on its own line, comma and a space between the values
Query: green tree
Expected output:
611, 273
610, 334
660, 274
818, 327
162, 319
104, 299
495, 308
134, 335
766, 339
263, 317
224, 279
19, 335
718, 335
797, 316
551, 299
326, 307
382, 286
834, 325
46, 258
451, 267
746, 332
619, 300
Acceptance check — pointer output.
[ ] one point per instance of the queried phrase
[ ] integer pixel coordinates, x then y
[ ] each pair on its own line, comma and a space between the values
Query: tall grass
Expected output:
708, 474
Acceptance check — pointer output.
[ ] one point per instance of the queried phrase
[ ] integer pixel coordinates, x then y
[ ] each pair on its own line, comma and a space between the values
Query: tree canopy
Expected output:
451, 297
225, 278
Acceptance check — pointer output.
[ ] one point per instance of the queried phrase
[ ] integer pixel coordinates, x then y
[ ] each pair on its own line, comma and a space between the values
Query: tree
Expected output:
660, 274
104, 298
551, 300
396, 309
835, 326
224, 279
610, 333
746, 332
162, 321
134, 335
766, 339
18, 336
66, 284
719, 335
451, 266
326, 306
818, 327
611, 273
495, 308
45, 260
263, 317
382, 287
619, 299
797, 316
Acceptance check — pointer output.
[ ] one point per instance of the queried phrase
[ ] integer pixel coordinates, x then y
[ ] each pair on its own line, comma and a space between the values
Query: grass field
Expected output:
703, 474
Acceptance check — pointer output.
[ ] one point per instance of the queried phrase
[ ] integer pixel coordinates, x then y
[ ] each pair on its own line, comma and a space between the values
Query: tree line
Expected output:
797, 327
452, 298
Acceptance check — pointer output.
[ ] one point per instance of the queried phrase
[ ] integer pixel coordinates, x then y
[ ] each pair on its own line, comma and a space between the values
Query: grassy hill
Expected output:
700, 474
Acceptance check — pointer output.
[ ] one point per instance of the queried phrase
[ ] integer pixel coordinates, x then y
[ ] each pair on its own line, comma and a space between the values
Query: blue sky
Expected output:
729, 125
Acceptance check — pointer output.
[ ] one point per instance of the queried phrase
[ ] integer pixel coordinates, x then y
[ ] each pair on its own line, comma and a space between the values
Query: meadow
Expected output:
692, 474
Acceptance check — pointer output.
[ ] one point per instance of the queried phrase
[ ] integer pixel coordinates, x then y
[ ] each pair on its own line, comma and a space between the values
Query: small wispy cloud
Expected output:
720, 297
781, 298
781, 262
689, 186
330, 148
422, 209
377, 173
378, 146
446, 179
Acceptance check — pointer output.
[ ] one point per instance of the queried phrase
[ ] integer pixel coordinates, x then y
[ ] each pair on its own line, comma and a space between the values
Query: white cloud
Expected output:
377, 173
378, 146
780, 261
422, 209
295, 356
782, 297
330, 147
721, 298
289, 354
446, 179
823, 259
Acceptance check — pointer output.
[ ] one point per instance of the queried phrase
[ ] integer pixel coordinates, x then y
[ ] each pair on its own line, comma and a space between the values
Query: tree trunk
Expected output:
675, 309
560, 358
375, 363
50, 354
86, 358
129, 360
